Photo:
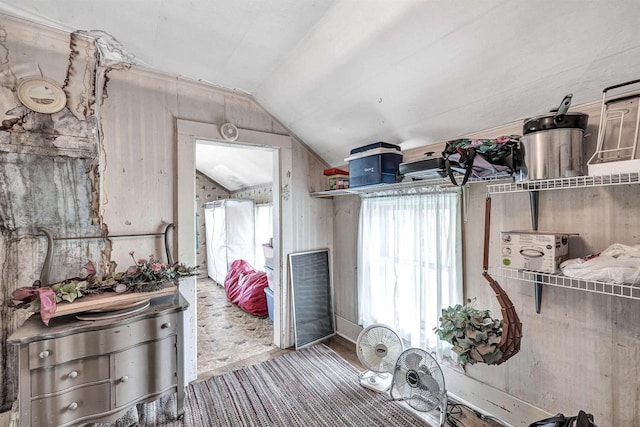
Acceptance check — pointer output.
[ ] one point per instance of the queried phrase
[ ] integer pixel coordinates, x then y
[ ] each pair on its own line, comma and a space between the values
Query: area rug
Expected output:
311, 387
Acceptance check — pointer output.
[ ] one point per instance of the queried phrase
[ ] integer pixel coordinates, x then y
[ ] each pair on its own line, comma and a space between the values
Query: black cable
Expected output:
452, 410
455, 409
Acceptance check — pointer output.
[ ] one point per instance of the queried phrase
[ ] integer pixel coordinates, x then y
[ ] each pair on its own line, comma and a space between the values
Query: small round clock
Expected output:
41, 94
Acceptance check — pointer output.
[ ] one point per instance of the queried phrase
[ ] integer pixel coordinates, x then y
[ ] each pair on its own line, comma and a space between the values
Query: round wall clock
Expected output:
41, 94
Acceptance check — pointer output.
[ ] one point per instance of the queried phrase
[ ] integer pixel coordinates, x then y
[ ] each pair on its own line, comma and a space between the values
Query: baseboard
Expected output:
488, 400
347, 329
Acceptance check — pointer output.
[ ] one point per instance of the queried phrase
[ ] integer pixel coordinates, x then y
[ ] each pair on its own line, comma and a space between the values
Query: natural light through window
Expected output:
409, 263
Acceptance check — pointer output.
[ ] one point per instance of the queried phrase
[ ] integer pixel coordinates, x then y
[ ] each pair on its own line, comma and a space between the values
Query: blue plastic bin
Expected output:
376, 168
269, 292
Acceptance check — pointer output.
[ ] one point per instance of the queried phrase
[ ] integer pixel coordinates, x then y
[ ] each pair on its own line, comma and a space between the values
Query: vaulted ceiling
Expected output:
344, 73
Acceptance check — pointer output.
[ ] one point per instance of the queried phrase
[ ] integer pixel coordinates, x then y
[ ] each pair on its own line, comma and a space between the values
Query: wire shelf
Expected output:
376, 188
433, 183
624, 290
563, 183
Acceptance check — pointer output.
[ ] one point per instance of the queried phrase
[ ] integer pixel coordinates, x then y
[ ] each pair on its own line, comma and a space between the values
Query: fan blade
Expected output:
412, 360
377, 335
394, 347
401, 385
389, 337
427, 382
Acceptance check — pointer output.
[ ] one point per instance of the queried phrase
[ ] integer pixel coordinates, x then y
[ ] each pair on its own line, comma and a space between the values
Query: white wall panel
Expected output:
581, 351
345, 229
311, 225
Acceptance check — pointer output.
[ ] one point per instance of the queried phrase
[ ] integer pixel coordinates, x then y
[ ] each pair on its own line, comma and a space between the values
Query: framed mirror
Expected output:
41, 94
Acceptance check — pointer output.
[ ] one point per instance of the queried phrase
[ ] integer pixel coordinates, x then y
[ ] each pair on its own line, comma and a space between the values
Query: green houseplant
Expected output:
474, 334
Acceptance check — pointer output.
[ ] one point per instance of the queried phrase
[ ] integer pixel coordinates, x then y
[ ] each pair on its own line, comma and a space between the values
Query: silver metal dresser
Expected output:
74, 372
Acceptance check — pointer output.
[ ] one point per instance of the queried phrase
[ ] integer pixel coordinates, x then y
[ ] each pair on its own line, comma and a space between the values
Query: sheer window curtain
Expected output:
410, 264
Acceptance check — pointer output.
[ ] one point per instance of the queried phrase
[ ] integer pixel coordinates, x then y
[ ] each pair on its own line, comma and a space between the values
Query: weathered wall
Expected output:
110, 166
583, 350
139, 152
47, 171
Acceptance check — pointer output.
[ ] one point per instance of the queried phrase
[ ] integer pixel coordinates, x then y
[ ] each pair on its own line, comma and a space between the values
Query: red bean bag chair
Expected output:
238, 268
244, 286
252, 298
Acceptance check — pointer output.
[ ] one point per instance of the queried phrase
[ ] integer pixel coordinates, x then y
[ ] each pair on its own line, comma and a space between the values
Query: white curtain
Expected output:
410, 263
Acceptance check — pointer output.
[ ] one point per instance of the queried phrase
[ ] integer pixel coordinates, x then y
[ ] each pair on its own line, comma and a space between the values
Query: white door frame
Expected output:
187, 134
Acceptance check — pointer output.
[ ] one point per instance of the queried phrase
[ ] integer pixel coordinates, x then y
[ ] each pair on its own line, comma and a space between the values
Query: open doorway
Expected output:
234, 223
187, 134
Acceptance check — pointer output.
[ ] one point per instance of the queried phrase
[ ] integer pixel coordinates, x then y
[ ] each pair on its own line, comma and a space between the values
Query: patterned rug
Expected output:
312, 387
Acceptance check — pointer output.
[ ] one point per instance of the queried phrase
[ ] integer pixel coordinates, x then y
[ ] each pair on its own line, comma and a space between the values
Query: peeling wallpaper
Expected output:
46, 179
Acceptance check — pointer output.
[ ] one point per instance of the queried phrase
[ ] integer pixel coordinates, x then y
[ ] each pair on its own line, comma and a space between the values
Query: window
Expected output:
409, 263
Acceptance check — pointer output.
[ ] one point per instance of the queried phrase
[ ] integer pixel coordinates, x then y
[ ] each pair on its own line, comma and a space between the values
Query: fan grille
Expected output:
378, 348
418, 380
229, 131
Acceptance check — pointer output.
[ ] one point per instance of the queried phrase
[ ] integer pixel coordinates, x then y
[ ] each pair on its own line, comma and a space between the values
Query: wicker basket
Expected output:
511, 325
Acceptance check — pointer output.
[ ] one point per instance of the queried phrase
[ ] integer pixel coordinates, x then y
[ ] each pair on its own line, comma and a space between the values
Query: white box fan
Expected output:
378, 347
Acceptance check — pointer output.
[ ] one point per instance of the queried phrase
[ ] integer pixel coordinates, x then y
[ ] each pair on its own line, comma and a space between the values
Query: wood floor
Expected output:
229, 320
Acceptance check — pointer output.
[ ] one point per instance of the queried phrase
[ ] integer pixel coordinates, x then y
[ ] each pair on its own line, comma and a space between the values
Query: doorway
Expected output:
187, 134
234, 219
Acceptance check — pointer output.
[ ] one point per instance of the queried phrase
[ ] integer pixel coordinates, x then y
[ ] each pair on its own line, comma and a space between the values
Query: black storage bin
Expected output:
374, 169
375, 145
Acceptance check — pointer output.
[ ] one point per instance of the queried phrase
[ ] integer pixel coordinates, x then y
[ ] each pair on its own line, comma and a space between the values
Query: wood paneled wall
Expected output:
582, 350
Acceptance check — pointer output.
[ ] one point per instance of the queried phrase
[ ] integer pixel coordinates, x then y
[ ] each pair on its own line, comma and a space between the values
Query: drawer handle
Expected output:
45, 354
72, 406
166, 325
124, 379
73, 374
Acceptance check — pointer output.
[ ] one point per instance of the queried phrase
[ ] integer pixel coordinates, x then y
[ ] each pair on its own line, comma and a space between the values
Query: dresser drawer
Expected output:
86, 344
145, 370
73, 405
70, 374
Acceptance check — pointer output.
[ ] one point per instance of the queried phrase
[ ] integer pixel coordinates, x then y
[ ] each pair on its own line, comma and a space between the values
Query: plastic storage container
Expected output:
269, 292
338, 182
268, 255
374, 146
269, 271
374, 166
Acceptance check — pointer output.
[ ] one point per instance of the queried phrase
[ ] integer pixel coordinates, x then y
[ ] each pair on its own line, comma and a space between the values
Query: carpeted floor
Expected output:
313, 387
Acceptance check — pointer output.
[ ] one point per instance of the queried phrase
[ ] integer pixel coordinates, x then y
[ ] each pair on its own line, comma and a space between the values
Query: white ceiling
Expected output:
345, 73
234, 167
